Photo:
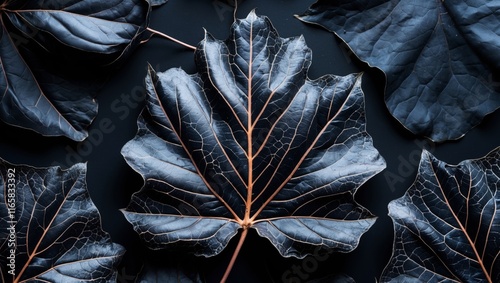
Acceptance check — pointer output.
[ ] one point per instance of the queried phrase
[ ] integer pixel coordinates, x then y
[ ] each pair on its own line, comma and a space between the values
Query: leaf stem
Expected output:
235, 10
235, 254
170, 38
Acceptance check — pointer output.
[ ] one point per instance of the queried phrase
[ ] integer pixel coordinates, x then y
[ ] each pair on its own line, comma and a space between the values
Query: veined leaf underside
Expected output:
250, 142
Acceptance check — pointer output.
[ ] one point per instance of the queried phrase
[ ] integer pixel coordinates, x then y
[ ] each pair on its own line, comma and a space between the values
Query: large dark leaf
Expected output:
439, 57
251, 142
447, 226
54, 54
49, 228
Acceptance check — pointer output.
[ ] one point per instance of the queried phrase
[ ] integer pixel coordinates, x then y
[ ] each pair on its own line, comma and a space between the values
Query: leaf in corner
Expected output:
441, 58
48, 214
55, 55
447, 225
249, 142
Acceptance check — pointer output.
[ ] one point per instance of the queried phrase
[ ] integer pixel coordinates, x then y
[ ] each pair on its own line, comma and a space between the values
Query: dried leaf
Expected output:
447, 224
249, 142
54, 56
50, 230
441, 58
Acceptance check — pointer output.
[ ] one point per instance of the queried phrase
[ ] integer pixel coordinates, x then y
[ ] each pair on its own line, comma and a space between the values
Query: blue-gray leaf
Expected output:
249, 142
55, 56
441, 58
50, 230
447, 225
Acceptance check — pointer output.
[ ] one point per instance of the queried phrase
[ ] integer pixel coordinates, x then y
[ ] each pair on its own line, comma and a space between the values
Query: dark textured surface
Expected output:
447, 224
56, 227
55, 55
250, 140
111, 181
440, 57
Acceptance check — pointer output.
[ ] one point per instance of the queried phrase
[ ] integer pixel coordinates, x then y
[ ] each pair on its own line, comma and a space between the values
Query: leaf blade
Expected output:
300, 236
247, 127
56, 44
25, 104
436, 74
58, 231
446, 223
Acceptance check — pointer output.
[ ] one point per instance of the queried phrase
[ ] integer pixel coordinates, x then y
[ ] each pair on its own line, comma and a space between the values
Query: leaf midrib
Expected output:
247, 221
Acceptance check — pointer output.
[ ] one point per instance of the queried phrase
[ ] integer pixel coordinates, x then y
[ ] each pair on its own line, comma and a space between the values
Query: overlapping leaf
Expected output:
250, 142
54, 54
447, 226
49, 216
441, 58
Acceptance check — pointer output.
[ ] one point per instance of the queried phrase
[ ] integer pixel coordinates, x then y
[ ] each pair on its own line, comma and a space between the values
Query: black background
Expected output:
111, 182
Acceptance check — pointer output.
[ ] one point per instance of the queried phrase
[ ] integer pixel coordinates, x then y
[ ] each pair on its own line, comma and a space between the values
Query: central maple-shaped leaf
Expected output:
251, 142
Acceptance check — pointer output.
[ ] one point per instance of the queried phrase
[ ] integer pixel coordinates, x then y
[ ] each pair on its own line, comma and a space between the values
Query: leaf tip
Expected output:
252, 16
